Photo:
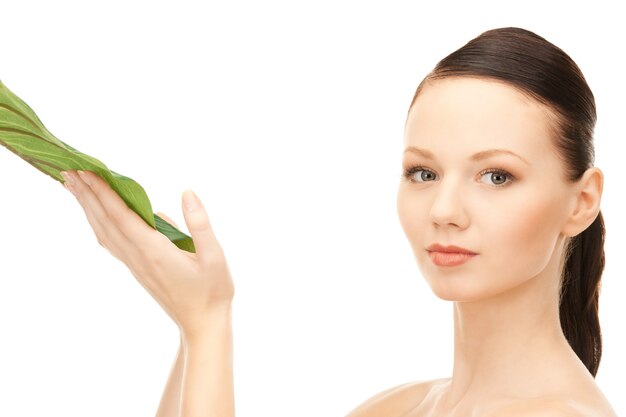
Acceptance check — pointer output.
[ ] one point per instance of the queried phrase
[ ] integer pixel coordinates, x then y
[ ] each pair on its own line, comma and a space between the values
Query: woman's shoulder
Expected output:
397, 400
400, 399
549, 407
581, 399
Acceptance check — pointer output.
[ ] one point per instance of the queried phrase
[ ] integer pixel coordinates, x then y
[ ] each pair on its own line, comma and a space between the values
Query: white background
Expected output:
286, 118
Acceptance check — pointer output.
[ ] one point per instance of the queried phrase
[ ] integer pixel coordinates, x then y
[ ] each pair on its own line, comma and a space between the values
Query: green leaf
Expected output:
22, 133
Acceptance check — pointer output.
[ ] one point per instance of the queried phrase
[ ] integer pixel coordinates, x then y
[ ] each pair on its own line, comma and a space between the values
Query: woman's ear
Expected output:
587, 195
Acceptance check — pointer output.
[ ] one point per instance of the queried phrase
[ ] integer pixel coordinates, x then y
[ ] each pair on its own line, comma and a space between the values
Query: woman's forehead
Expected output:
477, 113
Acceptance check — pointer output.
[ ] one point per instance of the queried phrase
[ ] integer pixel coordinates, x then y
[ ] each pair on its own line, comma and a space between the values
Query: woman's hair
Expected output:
542, 71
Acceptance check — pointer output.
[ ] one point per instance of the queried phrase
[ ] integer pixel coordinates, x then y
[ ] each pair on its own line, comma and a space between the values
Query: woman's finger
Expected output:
107, 236
129, 223
197, 219
111, 238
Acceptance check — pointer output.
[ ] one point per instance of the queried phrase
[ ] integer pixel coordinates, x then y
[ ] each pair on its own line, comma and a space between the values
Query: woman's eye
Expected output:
423, 174
497, 177
494, 177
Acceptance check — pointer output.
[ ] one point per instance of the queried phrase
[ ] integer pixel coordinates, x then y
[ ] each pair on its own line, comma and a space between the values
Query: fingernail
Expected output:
69, 188
67, 177
84, 177
190, 200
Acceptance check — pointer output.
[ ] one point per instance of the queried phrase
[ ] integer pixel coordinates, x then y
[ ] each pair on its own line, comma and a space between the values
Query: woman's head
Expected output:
532, 215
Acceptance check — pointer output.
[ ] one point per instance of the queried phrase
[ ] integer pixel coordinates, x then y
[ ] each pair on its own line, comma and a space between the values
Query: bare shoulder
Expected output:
395, 401
552, 408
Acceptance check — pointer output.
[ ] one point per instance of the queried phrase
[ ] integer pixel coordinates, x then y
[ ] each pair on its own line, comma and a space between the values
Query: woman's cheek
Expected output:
410, 214
526, 235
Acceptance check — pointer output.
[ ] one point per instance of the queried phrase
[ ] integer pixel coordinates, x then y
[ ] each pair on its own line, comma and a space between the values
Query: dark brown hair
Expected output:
544, 72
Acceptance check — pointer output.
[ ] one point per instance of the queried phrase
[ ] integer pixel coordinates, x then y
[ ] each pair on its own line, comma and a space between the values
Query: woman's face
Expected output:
508, 209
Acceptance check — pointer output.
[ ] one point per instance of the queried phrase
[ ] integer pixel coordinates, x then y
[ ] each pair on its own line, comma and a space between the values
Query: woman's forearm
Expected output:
207, 383
170, 400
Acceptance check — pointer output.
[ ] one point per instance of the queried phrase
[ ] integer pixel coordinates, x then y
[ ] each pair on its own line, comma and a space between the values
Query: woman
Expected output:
500, 202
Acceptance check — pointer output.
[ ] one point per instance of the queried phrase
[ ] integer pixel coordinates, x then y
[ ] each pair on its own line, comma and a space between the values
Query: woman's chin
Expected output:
456, 288
453, 295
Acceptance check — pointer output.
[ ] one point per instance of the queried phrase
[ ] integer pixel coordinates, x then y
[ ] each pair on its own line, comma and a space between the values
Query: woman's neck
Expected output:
510, 344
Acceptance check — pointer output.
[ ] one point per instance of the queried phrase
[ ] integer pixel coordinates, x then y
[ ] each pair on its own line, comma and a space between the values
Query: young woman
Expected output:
500, 202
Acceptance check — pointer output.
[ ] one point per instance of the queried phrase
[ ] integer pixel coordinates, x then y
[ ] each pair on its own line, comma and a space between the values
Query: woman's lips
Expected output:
449, 258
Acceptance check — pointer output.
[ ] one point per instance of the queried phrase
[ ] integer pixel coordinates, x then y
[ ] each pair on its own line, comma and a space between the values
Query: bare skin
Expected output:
194, 289
510, 355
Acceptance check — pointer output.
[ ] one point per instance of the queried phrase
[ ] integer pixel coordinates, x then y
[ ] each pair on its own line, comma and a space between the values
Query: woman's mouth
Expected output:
449, 255
450, 258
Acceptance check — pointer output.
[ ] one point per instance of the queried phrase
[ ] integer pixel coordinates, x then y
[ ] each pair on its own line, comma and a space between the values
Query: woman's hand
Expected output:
188, 286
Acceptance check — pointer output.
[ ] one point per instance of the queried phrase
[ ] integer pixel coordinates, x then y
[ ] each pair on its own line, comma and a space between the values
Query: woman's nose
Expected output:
447, 204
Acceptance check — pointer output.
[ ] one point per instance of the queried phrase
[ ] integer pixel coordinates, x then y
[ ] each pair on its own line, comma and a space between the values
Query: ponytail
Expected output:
580, 289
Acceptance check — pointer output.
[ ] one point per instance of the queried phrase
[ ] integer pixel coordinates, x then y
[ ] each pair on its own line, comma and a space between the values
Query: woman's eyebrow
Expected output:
479, 156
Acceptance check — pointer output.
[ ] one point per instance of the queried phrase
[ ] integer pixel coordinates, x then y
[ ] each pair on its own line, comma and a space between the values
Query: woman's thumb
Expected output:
198, 224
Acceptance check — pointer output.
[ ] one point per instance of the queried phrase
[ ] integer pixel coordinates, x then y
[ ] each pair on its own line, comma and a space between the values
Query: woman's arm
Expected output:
202, 376
170, 400
207, 385
194, 289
